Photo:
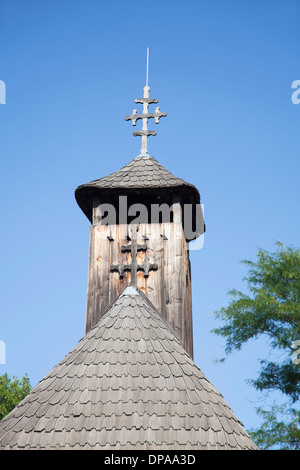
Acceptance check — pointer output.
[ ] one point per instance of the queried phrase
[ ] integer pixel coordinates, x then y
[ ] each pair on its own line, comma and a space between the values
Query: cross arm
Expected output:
135, 117
146, 100
139, 247
144, 132
146, 267
120, 268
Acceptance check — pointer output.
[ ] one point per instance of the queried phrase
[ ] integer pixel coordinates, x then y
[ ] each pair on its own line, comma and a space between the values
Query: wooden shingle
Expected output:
128, 384
143, 173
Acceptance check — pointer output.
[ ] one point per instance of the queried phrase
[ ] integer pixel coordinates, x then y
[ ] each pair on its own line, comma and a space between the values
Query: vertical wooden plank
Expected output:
141, 255
187, 300
103, 268
173, 278
168, 288
113, 259
90, 283
96, 212
152, 284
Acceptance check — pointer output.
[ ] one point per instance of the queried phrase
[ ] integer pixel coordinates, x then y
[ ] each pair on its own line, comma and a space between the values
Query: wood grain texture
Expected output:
168, 287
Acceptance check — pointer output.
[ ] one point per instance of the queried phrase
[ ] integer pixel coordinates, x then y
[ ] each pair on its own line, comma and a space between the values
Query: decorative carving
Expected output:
134, 247
144, 133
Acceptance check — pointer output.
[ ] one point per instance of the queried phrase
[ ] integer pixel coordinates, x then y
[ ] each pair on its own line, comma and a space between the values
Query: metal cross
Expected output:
134, 247
145, 101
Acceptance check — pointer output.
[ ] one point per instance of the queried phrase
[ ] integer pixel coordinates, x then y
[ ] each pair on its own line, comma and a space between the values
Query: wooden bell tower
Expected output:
138, 237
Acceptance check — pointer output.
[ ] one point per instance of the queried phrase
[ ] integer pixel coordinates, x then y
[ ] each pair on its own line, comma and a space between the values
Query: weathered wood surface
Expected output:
168, 287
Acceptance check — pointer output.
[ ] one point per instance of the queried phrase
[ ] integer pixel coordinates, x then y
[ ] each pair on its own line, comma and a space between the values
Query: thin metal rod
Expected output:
147, 66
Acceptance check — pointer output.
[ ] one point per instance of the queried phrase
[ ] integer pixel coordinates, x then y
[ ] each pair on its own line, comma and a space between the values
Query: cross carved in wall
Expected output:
133, 267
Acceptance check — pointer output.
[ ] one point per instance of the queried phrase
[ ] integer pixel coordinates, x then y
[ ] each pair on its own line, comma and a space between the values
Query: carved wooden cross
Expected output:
134, 247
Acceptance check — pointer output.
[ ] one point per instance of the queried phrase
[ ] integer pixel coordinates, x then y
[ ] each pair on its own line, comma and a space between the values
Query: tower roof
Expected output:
143, 173
128, 384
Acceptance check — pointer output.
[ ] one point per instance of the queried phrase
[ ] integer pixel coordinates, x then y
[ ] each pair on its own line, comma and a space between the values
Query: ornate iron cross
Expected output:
134, 247
145, 101
144, 133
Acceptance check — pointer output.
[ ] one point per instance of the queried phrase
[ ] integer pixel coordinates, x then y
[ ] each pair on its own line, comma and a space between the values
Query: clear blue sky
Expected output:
222, 70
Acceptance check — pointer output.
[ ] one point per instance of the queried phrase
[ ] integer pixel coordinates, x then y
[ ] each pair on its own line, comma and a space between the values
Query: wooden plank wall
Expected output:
168, 288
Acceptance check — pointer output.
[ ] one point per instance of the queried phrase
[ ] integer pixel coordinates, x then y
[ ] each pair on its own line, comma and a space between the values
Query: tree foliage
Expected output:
280, 428
271, 309
12, 391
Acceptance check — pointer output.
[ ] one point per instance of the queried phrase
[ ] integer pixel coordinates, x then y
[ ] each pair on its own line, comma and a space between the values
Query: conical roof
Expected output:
128, 384
143, 173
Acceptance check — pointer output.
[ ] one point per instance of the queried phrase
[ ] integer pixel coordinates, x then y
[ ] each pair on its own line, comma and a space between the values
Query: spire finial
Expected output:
147, 72
145, 101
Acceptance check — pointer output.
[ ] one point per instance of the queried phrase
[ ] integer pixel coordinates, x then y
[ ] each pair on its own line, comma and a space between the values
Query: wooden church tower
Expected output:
144, 213
131, 383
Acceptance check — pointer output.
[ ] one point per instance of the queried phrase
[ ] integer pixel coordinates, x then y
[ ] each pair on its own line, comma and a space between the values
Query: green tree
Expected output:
12, 391
272, 310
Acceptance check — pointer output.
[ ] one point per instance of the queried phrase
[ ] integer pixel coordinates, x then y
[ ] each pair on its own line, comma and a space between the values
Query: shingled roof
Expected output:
128, 384
143, 173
